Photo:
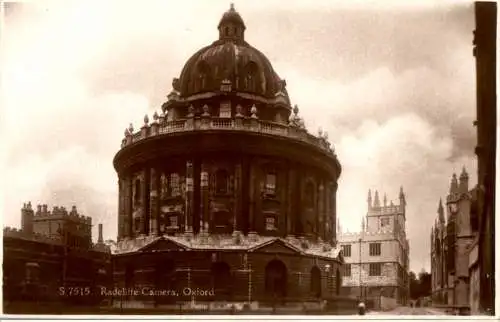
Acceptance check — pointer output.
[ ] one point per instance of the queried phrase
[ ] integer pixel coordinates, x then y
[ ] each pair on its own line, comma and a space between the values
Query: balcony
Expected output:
247, 124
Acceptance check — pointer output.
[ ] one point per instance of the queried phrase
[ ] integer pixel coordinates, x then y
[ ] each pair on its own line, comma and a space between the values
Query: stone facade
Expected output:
51, 256
485, 36
452, 241
377, 258
226, 189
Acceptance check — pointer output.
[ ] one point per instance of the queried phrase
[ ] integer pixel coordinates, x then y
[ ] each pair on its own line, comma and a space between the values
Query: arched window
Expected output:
315, 285
276, 279
221, 181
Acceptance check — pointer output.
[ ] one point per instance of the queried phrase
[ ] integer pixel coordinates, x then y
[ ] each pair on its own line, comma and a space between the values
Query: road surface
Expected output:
406, 310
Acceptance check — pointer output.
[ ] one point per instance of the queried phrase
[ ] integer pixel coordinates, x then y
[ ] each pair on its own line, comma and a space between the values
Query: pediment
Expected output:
276, 246
161, 245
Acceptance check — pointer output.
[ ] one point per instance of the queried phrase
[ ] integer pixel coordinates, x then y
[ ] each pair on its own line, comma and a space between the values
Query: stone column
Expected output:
189, 198
320, 213
129, 232
252, 197
238, 198
121, 209
144, 202
204, 209
290, 222
153, 202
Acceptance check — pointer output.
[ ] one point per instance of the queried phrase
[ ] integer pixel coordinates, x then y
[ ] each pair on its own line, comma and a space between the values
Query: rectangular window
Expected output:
375, 269
346, 249
270, 186
173, 222
375, 249
347, 270
384, 222
225, 110
174, 185
270, 223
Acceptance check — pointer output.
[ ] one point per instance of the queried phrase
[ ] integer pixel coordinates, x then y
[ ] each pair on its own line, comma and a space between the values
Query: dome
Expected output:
232, 60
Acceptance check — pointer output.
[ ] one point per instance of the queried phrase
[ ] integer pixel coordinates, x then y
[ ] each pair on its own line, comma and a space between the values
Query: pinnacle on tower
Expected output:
441, 211
385, 200
369, 199
464, 181
377, 200
454, 184
363, 224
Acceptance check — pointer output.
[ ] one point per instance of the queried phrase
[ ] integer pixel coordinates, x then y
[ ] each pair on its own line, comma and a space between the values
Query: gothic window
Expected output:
270, 223
225, 110
137, 192
346, 249
221, 182
375, 249
309, 195
375, 269
270, 184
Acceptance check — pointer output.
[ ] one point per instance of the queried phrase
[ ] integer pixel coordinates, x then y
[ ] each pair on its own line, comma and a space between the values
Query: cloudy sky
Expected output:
392, 84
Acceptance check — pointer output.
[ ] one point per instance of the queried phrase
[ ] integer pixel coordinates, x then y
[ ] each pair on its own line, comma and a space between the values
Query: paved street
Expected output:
406, 310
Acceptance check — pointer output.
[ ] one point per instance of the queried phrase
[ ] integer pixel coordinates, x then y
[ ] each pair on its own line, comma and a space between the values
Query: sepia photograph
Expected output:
243, 159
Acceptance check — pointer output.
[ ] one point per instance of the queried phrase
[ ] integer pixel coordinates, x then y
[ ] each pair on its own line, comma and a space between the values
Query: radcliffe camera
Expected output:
274, 157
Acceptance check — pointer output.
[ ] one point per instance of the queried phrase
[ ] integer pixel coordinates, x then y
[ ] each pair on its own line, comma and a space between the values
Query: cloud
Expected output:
392, 85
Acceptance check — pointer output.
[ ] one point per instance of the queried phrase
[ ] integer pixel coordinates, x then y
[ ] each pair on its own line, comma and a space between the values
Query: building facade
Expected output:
377, 258
451, 243
51, 256
482, 253
226, 190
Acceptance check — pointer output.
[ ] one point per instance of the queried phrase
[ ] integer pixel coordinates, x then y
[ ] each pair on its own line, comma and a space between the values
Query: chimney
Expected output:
100, 239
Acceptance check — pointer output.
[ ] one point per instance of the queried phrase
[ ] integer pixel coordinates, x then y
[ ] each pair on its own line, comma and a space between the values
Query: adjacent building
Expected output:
377, 258
226, 190
482, 253
50, 256
452, 240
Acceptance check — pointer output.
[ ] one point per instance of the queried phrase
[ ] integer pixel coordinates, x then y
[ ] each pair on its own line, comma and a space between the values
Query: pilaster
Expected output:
153, 202
189, 197
204, 205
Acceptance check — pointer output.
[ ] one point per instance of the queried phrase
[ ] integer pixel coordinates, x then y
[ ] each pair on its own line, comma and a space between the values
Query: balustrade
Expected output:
244, 124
